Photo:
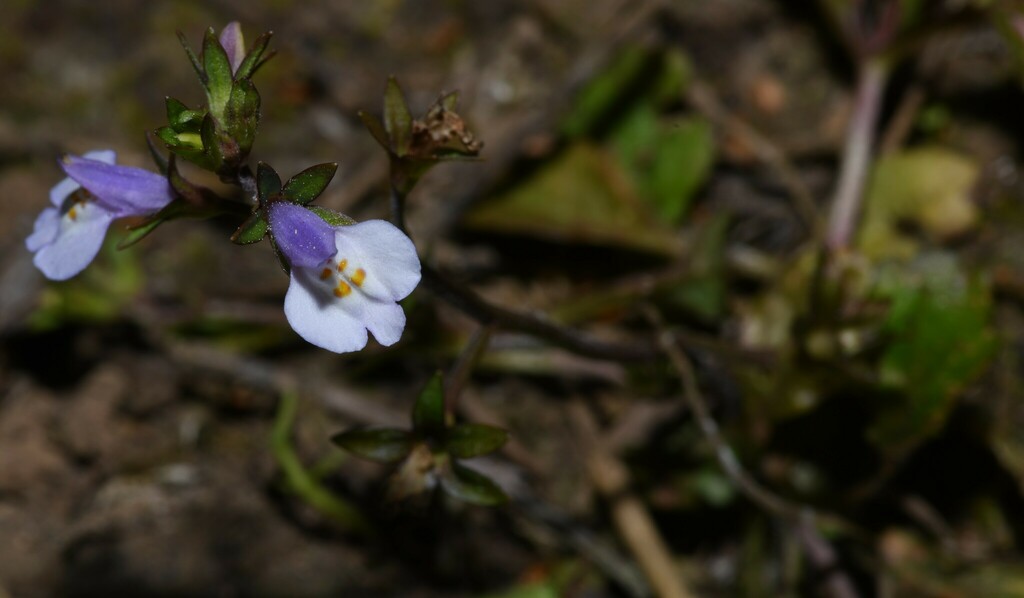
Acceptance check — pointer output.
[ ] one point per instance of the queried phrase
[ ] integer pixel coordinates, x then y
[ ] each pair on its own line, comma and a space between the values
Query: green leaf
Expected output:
310, 183
428, 412
676, 74
242, 114
384, 445
472, 486
929, 187
602, 94
255, 58
466, 441
941, 340
668, 162
331, 217
219, 78
376, 128
580, 196
268, 182
397, 120
251, 231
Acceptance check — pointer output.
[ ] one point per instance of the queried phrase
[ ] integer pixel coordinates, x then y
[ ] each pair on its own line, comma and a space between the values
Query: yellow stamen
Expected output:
72, 214
359, 277
325, 274
342, 290
342, 265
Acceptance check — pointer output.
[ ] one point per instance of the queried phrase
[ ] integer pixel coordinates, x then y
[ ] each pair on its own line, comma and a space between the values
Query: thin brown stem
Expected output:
704, 100
459, 373
803, 518
571, 339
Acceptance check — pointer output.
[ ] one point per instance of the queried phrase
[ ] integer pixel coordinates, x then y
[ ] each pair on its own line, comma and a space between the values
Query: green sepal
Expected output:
472, 486
192, 58
331, 217
168, 136
428, 412
193, 155
397, 119
384, 445
242, 114
310, 183
252, 230
158, 156
219, 78
376, 128
181, 119
466, 441
178, 208
190, 193
255, 58
175, 109
268, 182
140, 232
221, 150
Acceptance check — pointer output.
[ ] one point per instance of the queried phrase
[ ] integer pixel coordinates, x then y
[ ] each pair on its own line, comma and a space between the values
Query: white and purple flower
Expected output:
345, 280
68, 235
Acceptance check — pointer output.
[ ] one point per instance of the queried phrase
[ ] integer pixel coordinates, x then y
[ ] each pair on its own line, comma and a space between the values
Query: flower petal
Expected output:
315, 314
386, 257
386, 320
122, 190
63, 189
303, 238
45, 231
76, 242
105, 156
233, 43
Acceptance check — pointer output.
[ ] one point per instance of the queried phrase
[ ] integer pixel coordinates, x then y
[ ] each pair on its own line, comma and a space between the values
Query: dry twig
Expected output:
818, 551
631, 519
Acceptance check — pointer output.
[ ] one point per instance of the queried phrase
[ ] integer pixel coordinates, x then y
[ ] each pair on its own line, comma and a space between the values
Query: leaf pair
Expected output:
447, 443
301, 189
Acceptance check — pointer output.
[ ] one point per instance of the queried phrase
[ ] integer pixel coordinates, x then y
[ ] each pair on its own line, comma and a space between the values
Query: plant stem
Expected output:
853, 170
463, 366
479, 309
298, 478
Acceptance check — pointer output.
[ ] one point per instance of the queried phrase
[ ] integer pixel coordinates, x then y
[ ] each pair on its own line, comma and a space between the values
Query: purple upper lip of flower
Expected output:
121, 190
68, 235
302, 236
